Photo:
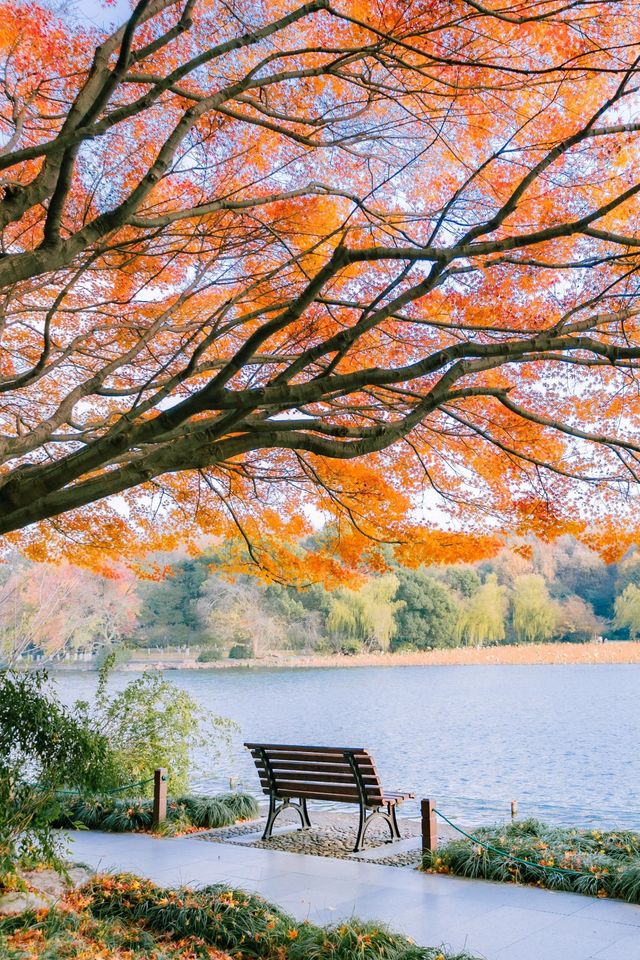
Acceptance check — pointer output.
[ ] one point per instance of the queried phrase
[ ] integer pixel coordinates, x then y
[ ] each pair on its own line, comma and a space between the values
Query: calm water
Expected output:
562, 740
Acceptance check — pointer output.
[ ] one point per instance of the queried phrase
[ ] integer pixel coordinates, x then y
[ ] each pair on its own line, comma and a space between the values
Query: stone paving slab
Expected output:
371, 854
491, 920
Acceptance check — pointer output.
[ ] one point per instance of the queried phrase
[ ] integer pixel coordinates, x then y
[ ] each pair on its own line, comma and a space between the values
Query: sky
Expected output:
93, 11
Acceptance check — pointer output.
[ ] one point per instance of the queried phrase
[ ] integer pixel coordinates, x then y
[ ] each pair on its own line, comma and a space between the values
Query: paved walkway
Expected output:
496, 921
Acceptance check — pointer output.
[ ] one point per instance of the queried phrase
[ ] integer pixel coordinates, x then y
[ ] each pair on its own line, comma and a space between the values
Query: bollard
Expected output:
429, 825
514, 809
160, 779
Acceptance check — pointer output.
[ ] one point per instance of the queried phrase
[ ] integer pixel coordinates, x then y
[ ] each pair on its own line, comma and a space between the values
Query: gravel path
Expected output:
332, 835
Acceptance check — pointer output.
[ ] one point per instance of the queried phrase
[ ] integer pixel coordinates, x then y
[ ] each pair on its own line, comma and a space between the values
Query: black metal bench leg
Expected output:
304, 814
362, 823
275, 809
273, 813
393, 821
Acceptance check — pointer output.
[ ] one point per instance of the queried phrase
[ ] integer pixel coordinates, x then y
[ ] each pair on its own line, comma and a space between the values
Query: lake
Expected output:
562, 740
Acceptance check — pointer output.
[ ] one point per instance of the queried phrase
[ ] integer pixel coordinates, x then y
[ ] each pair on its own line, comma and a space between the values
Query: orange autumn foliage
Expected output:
368, 263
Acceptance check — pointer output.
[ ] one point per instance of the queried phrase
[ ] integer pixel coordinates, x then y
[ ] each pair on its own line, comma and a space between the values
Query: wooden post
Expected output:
429, 825
160, 779
514, 809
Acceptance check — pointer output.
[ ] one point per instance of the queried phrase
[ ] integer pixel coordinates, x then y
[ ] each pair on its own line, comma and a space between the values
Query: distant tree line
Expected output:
532, 592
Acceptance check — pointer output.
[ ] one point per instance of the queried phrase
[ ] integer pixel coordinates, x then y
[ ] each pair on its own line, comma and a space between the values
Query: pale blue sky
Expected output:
92, 11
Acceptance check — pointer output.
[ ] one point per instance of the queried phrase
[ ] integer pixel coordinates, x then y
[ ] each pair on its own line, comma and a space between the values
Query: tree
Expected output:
428, 615
509, 565
464, 580
168, 614
320, 255
482, 619
577, 622
627, 611
628, 571
47, 610
366, 616
303, 625
583, 572
533, 613
237, 614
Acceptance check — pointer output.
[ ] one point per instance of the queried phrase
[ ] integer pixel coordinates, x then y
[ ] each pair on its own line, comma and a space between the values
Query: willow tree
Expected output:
534, 614
264, 259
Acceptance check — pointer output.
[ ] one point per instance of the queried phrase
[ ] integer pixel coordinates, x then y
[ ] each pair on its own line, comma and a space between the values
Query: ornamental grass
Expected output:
243, 924
594, 862
120, 815
75, 934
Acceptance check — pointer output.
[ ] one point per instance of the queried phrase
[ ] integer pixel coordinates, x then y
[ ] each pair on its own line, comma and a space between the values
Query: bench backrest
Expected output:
345, 774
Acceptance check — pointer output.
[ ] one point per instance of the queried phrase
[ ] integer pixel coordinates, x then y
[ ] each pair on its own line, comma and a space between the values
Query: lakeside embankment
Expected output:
542, 653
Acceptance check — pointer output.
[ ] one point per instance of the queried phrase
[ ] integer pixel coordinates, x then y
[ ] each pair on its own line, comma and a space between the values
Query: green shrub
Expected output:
593, 862
121, 814
44, 747
152, 723
78, 811
241, 651
244, 924
210, 655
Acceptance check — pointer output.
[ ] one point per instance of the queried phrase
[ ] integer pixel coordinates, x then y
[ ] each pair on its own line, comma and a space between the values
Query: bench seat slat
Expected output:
310, 758
351, 797
336, 769
305, 748
313, 777
321, 789
321, 768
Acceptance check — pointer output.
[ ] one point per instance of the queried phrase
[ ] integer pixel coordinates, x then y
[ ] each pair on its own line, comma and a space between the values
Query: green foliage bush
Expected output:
210, 655
240, 651
152, 723
595, 862
244, 924
43, 748
59, 765
122, 815
345, 646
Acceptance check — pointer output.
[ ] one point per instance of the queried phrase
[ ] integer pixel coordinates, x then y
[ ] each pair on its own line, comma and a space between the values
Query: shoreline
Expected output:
623, 652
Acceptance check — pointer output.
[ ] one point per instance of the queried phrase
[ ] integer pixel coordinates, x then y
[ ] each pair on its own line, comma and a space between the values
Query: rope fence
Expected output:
108, 793
509, 856
159, 780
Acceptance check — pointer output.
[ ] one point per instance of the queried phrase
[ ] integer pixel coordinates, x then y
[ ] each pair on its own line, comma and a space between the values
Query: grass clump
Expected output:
71, 934
243, 924
120, 815
594, 862
118, 917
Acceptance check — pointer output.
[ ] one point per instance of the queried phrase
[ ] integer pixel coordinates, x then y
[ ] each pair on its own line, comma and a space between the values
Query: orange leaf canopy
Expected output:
369, 263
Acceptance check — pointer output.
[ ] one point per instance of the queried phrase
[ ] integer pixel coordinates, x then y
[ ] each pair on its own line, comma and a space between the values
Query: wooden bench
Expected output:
291, 773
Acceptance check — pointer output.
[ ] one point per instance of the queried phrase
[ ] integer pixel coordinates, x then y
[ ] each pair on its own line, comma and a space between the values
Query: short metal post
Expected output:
160, 779
429, 825
514, 809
